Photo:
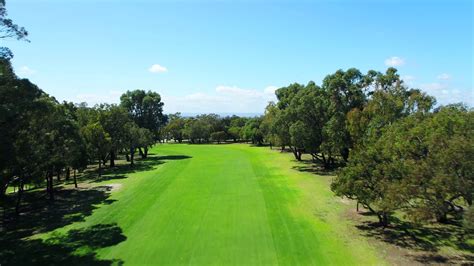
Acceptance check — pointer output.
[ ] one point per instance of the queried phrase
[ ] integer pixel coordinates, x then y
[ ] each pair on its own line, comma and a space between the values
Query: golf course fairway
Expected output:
230, 204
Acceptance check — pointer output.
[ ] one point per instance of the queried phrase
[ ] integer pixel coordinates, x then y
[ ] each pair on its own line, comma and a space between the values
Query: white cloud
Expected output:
444, 76
434, 86
225, 99
444, 94
270, 90
394, 61
26, 71
408, 78
155, 68
96, 98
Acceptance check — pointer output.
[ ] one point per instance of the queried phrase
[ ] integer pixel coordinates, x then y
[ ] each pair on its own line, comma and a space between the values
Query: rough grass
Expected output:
202, 204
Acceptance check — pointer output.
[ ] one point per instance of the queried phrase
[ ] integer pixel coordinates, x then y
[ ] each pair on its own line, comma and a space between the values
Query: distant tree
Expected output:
98, 142
198, 130
219, 136
146, 110
235, 126
251, 131
175, 127
113, 118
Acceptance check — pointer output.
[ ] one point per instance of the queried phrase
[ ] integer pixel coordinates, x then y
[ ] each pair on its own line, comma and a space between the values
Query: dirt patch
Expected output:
400, 247
113, 187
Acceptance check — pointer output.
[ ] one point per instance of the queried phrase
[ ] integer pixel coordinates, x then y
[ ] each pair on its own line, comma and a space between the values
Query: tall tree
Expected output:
146, 110
98, 142
113, 118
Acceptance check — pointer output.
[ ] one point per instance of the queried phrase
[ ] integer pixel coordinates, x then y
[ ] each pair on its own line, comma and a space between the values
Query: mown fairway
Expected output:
228, 204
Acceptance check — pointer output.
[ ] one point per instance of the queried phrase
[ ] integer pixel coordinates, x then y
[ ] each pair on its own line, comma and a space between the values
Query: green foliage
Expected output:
219, 136
175, 127
422, 165
469, 220
197, 130
251, 131
145, 108
98, 140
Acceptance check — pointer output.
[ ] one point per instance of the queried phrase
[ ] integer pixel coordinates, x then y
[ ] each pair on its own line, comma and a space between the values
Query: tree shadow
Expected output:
40, 215
174, 157
121, 171
427, 239
316, 168
76, 247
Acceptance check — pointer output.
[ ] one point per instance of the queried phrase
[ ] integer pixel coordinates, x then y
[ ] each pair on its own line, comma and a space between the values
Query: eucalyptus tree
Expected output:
98, 142
175, 127
18, 104
113, 118
146, 110
308, 109
345, 91
252, 131
234, 129
421, 164
136, 137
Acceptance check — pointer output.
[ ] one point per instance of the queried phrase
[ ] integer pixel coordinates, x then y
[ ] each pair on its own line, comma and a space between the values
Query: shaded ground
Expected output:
407, 243
38, 215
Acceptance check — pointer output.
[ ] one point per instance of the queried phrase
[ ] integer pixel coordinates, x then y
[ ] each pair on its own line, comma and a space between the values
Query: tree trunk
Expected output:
345, 154
132, 153
59, 175
145, 149
383, 219
19, 195
441, 217
325, 161
141, 153
75, 179
112, 159
68, 173
296, 153
100, 167
3, 189
50, 186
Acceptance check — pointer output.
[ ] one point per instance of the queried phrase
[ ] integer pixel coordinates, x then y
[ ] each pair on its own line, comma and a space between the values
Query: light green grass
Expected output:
229, 204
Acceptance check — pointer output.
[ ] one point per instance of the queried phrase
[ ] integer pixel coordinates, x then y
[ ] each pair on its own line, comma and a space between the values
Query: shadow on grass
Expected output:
39, 215
121, 171
309, 166
426, 238
173, 157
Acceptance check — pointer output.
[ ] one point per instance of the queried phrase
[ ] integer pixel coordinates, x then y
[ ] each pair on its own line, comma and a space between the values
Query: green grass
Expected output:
222, 204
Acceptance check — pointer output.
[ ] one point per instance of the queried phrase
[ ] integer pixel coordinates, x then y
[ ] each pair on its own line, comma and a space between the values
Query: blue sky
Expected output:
222, 56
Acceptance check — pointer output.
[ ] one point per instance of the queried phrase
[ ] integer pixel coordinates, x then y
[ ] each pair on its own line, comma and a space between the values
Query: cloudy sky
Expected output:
224, 57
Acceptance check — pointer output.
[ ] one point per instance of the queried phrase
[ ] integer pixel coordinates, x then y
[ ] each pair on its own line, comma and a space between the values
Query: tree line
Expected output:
397, 151
41, 138
208, 128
